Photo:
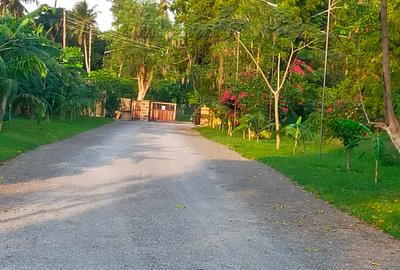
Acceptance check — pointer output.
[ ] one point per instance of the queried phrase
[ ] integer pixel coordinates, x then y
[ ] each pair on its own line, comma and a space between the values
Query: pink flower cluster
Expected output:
300, 67
230, 99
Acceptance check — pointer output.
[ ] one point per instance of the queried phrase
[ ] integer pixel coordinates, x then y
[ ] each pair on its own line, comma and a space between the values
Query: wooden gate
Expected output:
141, 110
146, 110
163, 112
126, 109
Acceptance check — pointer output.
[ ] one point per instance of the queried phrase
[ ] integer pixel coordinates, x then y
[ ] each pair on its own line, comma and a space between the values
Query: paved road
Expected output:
157, 196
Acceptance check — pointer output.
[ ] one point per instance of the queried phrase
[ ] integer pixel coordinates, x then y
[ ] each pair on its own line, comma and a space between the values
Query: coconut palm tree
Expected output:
84, 20
14, 7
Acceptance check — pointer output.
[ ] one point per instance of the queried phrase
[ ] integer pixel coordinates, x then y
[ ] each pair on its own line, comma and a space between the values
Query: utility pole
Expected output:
321, 140
64, 28
237, 56
90, 49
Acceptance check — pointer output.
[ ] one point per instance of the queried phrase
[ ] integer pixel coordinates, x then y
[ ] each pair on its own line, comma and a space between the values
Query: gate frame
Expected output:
152, 117
143, 110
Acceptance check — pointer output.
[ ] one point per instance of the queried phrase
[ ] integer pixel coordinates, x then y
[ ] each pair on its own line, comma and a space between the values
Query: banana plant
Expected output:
255, 124
294, 131
12, 72
245, 126
18, 59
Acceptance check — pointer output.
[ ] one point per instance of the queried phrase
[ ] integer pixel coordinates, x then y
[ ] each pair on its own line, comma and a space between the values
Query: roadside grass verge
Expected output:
24, 134
354, 192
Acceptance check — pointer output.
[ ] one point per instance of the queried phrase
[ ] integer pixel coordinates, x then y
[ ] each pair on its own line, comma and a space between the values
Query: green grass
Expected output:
354, 192
24, 134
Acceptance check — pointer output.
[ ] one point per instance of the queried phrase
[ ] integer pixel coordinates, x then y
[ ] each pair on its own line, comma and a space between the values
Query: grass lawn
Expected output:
25, 134
354, 192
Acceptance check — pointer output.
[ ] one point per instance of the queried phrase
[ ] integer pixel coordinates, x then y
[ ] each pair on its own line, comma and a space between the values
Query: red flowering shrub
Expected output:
329, 109
230, 100
300, 67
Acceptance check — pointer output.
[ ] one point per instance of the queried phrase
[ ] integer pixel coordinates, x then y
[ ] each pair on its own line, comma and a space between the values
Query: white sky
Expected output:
104, 17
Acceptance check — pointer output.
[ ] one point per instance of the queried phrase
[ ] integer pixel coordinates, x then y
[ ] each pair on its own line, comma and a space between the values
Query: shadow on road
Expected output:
147, 196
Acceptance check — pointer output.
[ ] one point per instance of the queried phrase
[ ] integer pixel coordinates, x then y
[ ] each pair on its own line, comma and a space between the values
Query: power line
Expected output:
75, 26
79, 20
81, 27
78, 23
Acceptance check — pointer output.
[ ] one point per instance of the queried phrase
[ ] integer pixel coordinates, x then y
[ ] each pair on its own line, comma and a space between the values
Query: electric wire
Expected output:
81, 21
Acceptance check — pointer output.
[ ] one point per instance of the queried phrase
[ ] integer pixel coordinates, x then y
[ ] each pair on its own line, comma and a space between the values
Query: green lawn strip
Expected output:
354, 192
24, 134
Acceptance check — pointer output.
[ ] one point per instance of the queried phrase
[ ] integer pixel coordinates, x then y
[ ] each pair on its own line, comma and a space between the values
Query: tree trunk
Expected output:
145, 78
121, 66
3, 107
348, 160
296, 142
393, 125
221, 74
237, 57
277, 126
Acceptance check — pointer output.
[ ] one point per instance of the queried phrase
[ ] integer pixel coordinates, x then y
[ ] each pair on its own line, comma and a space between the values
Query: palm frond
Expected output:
27, 65
6, 31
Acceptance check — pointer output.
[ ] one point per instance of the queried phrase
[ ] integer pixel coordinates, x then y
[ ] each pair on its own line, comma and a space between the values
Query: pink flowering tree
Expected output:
232, 103
281, 77
301, 91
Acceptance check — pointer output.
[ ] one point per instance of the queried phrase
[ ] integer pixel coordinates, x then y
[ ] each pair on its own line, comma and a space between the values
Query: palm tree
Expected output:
84, 20
14, 7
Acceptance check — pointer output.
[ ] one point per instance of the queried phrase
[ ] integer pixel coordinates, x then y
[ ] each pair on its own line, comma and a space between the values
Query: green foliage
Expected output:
26, 65
254, 123
194, 98
379, 147
350, 132
72, 57
37, 77
169, 91
139, 45
298, 132
109, 88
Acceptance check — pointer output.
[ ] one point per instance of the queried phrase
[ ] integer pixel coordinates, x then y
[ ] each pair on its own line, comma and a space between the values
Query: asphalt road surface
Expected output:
134, 195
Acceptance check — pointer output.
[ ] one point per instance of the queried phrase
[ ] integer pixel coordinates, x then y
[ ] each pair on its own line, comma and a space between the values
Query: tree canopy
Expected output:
268, 53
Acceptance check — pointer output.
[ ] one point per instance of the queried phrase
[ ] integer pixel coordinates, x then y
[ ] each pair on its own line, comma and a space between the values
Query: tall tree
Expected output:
14, 7
51, 20
139, 42
393, 125
83, 20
